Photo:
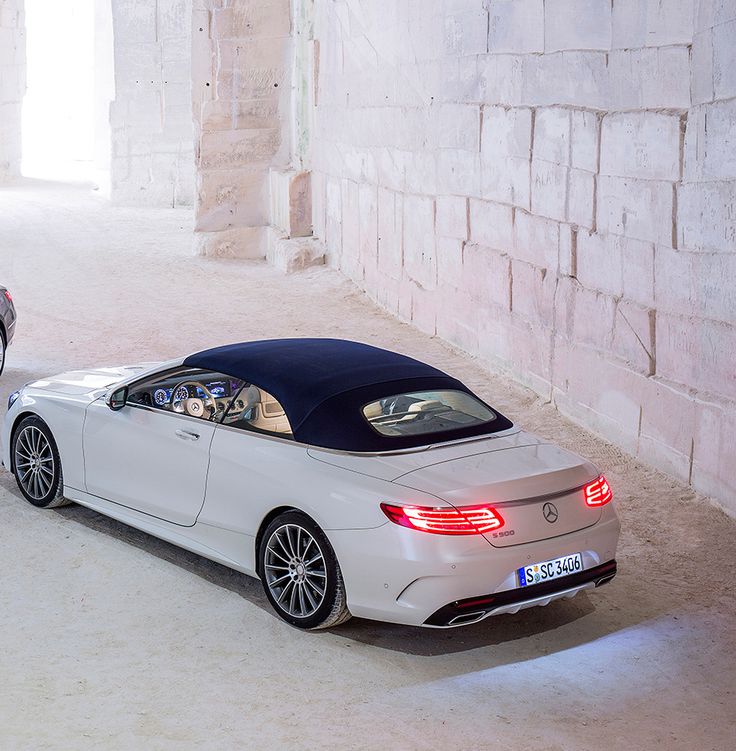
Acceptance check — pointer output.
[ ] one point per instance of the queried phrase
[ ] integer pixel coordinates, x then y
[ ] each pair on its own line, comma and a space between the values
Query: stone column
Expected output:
12, 85
241, 87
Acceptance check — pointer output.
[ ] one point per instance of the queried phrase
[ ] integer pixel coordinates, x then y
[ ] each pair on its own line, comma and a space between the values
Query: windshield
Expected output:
426, 412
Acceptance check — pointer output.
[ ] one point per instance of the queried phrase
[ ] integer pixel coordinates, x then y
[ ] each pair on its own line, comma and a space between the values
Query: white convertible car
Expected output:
349, 479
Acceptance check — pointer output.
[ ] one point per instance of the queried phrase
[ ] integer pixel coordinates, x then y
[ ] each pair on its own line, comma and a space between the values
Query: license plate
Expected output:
554, 569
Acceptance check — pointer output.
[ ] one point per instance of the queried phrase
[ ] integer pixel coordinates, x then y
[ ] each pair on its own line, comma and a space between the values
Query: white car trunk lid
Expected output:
519, 482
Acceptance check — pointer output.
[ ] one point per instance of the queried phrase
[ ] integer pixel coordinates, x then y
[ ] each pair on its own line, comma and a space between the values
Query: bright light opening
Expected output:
464, 520
66, 132
598, 492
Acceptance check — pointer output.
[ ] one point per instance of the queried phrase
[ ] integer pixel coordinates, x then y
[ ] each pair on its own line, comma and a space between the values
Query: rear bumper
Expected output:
403, 576
473, 609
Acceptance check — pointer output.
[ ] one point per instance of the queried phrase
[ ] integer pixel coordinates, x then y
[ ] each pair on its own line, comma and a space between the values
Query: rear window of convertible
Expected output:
426, 412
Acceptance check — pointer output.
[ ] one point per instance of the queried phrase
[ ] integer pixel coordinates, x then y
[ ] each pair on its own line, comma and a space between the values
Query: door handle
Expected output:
187, 435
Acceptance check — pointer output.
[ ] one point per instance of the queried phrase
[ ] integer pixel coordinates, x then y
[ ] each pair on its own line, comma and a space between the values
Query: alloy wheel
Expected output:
295, 570
34, 462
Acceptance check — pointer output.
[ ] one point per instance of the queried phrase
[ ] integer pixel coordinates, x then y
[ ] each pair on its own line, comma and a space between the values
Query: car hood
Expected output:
79, 382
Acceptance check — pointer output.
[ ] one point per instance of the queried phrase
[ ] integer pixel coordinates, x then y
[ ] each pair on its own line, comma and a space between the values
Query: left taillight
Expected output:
598, 492
8, 296
464, 520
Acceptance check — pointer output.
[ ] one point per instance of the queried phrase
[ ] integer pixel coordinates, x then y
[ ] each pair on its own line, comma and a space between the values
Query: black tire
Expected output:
3, 350
294, 557
31, 454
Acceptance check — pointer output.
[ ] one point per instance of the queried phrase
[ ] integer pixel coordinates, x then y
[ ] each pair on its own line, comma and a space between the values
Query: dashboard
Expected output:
221, 389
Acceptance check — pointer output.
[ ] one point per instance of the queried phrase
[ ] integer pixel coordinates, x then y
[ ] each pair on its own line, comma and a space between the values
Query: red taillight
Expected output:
466, 520
8, 296
598, 492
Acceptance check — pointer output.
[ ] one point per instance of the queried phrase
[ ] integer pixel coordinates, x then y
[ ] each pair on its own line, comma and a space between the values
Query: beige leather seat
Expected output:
266, 412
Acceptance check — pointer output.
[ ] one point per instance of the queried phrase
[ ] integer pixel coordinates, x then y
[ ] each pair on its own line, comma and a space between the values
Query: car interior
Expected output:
215, 397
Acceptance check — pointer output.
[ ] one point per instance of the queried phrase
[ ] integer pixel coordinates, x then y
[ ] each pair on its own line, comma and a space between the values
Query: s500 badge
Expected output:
505, 533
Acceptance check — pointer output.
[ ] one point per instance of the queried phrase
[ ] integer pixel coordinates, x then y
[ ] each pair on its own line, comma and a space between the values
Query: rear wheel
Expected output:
37, 464
300, 573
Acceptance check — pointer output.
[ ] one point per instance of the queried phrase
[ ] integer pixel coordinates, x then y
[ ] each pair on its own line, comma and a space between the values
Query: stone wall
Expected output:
12, 85
151, 118
241, 88
548, 184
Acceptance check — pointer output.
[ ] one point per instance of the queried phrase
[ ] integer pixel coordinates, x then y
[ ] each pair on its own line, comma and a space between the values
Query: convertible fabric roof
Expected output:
322, 384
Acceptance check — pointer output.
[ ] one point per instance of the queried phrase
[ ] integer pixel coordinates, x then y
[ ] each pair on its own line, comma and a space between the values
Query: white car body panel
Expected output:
211, 495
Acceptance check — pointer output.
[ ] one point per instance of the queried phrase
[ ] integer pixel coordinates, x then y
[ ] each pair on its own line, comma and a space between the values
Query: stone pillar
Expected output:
12, 85
151, 118
241, 87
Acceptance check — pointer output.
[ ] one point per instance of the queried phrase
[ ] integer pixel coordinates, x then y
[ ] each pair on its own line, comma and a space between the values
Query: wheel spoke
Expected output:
319, 591
279, 579
278, 555
290, 583
302, 606
312, 560
312, 602
292, 599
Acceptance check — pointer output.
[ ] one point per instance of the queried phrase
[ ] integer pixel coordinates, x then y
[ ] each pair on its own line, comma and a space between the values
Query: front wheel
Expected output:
37, 464
300, 573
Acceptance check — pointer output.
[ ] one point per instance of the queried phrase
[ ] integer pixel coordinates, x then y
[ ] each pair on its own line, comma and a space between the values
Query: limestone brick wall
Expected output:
548, 184
152, 160
241, 87
12, 85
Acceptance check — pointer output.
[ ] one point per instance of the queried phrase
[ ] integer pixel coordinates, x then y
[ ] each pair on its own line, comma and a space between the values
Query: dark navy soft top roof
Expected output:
322, 385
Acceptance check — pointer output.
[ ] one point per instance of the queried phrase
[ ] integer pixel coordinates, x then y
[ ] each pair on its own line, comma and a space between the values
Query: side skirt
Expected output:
235, 550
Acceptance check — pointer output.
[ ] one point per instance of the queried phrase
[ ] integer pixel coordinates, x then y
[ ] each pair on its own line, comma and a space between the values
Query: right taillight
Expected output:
446, 520
598, 492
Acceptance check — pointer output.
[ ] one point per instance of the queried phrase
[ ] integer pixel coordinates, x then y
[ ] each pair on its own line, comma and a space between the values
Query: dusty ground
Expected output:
112, 639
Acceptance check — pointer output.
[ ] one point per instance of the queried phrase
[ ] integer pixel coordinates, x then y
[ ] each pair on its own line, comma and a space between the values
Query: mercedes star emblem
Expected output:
550, 512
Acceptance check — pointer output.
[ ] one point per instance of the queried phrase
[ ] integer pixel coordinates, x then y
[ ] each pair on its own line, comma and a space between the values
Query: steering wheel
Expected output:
194, 406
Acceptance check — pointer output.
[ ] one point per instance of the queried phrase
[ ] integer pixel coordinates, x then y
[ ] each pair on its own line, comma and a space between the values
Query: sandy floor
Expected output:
112, 639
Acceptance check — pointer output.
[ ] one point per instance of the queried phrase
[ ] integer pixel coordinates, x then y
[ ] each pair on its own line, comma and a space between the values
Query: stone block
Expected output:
232, 148
599, 263
552, 135
173, 19
532, 293
650, 78
500, 79
452, 217
457, 126
690, 351
516, 26
390, 233
231, 198
420, 256
640, 209
238, 242
573, 78
581, 198
449, 262
549, 189
368, 223
227, 115
710, 142
486, 276
458, 172
667, 427
577, 25
295, 254
633, 336
706, 216
261, 18
536, 240
651, 23
584, 316
712, 469
724, 60
697, 284
466, 32
637, 260
644, 145
701, 79
584, 140
491, 225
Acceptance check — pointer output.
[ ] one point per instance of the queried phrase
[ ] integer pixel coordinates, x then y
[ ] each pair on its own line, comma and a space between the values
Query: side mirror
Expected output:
116, 399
